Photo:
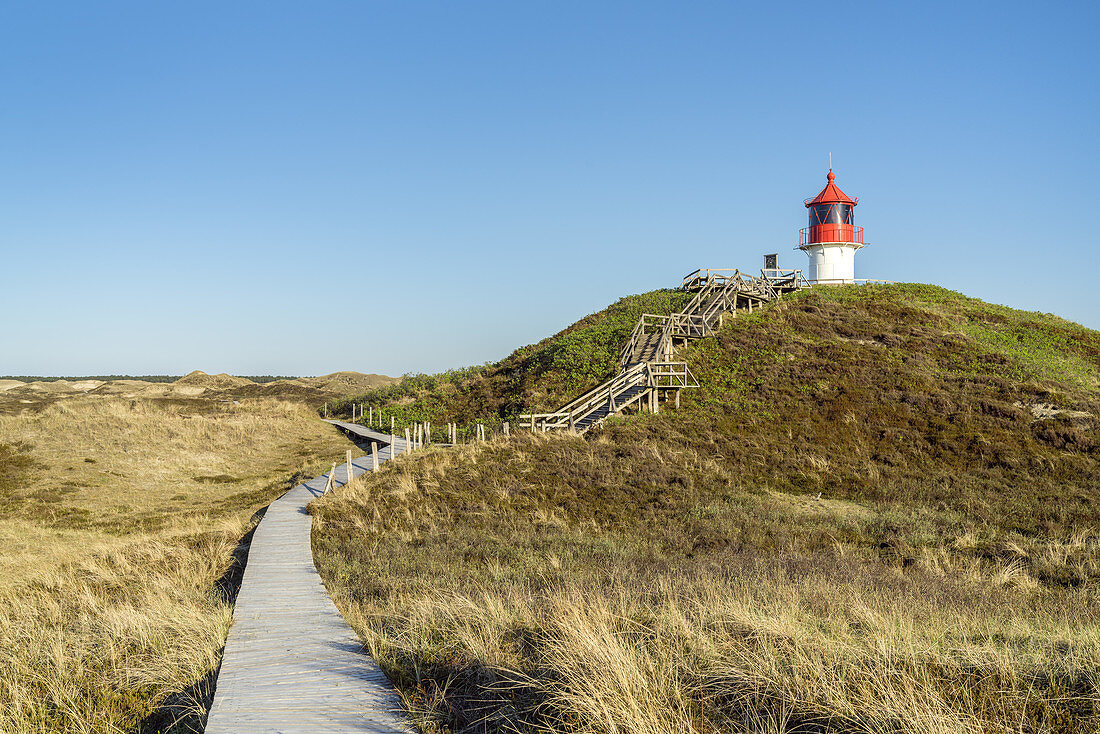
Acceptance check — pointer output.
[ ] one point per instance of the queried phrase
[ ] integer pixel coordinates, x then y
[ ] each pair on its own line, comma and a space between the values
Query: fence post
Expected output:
326, 410
374, 455
393, 446
370, 415
506, 428
408, 442
331, 479
349, 469
391, 424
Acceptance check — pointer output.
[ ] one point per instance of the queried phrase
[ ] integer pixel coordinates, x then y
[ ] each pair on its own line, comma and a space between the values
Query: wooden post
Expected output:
506, 428
374, 455
428, 431
331, 479
391, 424
677, 400
393, 446
349, 468
370, 415
408, 441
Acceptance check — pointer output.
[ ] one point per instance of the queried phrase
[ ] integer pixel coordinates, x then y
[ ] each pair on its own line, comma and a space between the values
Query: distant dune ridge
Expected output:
194, 384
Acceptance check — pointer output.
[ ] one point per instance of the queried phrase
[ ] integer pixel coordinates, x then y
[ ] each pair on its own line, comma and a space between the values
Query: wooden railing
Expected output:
677, 325
566, 417
611, 394
671, 376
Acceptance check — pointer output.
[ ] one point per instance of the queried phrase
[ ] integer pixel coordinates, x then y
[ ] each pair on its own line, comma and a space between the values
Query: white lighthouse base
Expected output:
831, 262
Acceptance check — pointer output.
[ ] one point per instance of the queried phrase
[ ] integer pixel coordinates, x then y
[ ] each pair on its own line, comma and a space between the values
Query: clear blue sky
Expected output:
297, 188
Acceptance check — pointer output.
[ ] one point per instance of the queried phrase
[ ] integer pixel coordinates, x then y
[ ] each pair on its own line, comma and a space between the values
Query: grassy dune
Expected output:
120, 521
860, 523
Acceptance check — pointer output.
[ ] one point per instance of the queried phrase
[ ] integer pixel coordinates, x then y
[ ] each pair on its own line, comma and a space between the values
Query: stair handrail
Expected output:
618, 384
632, 344
629, 351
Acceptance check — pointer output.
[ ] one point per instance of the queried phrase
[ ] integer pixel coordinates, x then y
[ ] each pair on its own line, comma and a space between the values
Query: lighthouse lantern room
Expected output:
832, 238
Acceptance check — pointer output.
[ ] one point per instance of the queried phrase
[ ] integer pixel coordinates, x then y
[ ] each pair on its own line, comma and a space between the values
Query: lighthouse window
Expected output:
830, 214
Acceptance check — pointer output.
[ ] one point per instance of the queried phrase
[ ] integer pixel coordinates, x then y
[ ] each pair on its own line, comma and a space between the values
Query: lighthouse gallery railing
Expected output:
830, 233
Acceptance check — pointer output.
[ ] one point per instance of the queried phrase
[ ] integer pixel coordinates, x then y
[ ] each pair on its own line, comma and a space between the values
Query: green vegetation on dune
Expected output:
542, 376
879, 512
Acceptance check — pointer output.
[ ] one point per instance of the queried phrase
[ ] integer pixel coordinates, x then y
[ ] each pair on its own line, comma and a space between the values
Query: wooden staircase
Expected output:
646, 370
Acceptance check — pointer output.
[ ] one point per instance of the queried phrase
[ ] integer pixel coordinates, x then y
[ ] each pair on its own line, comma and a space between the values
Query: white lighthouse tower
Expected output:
832, 239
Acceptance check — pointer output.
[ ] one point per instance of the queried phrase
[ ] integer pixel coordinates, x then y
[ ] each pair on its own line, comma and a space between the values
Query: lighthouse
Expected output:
832, 238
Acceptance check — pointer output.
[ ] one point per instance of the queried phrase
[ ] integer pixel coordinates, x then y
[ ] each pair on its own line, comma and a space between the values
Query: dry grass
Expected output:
750, 653
121, 520
542, 585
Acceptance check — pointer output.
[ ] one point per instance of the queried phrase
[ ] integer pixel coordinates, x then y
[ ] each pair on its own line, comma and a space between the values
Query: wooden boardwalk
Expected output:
291, 663
370, 435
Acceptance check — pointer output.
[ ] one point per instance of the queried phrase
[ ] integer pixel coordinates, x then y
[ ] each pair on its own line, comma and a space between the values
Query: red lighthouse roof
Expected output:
831, 194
